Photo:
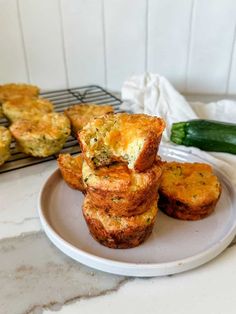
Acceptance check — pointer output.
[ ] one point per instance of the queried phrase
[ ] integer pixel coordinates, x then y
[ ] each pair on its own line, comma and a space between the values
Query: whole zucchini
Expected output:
205, 134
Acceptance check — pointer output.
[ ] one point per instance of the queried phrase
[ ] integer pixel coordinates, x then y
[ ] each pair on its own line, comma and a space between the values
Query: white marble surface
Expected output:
35, 277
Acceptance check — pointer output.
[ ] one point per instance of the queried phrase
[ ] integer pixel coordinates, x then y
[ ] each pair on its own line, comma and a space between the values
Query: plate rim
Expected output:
137, 269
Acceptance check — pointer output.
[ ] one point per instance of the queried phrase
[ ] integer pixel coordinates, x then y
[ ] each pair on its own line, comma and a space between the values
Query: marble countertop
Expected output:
35, 277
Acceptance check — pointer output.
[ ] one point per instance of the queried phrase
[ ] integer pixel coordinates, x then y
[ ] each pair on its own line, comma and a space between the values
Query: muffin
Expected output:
130, 138
42, 136
119, 232
5, 141
71, 170
9, 91
1, 112
26, 108
80, 114
121, 191
188, 191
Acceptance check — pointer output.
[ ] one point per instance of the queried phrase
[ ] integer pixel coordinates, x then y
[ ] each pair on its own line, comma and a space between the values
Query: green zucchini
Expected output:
205, 134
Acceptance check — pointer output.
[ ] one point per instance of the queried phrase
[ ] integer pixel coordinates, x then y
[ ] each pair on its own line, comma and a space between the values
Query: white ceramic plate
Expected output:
173, 247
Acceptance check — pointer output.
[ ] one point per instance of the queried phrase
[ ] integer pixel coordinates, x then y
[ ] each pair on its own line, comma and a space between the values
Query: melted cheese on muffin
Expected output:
130, 138
9, 91
42, 136
191, 183
26, 108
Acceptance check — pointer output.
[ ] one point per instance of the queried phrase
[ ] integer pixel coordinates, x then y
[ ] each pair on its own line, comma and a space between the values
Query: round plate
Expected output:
174, 245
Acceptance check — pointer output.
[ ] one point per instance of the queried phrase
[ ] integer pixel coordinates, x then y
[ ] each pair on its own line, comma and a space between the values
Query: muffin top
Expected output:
191, 183
49, 126
9, 91
80, 114
26, 108
130, 138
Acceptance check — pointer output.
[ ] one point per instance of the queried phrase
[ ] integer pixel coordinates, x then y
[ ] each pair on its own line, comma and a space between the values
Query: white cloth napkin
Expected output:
153, 94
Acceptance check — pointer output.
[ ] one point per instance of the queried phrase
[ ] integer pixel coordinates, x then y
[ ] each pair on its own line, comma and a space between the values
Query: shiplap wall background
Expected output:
66, 43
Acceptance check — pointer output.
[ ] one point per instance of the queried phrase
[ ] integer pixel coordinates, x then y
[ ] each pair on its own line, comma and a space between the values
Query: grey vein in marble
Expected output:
35, 275
18, 222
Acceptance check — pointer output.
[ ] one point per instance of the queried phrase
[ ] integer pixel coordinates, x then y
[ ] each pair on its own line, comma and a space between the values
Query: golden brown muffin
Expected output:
42, 136
71, 170
119, 232
9, 91
80, 114
1, 112
123, 192
188, 191
26, 108
130, 138
5, 141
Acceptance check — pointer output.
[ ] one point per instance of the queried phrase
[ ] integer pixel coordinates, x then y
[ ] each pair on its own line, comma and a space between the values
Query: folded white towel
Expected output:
153, 94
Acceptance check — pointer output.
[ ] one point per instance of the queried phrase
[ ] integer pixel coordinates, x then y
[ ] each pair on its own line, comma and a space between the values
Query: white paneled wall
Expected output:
169, 30
43, 43
13, 64
212, 37
82, 23
66, 43
125, 39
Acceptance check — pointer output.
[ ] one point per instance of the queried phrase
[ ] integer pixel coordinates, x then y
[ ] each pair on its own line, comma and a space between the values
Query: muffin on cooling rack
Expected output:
80, 114
71, 170
130, 138
26, 108
1, 112
120, 190
188, 191
9, 91
5, 141
42, 136
116, 231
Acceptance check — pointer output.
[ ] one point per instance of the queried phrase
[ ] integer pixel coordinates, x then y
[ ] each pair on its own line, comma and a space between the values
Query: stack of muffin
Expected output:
121, 173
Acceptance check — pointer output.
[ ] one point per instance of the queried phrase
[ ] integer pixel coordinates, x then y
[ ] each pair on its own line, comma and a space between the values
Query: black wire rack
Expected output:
62, 99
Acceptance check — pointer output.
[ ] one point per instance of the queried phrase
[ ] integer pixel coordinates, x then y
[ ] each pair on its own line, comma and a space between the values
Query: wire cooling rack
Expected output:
62, 99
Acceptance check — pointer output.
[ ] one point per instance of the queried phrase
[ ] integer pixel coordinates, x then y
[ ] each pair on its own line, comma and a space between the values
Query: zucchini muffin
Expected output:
119, 232
42, 136
188, 191
71, 170
9, 91
80, 114
5, 141
123, 192
130, 138
26, 108
1, 112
